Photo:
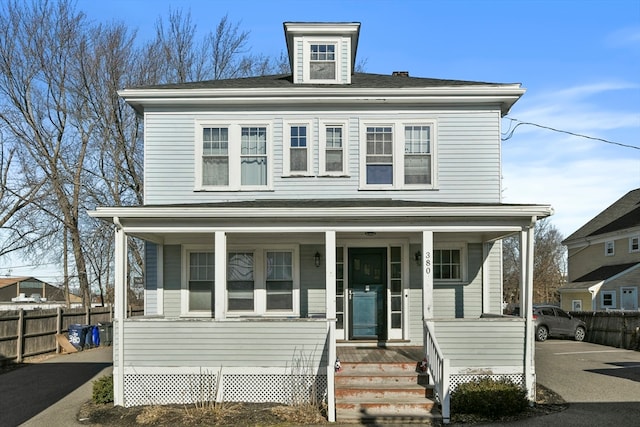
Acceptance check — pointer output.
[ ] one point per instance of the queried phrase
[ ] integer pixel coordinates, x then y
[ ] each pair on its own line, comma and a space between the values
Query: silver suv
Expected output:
551, 321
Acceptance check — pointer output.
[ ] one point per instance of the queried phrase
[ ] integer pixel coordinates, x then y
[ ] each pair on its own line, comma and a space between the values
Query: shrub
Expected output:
489, 398
103, 389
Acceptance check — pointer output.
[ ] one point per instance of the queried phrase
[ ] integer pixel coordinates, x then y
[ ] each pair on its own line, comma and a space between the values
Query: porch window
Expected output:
240, 282
279, 281
447, 264
201, 281
339, 288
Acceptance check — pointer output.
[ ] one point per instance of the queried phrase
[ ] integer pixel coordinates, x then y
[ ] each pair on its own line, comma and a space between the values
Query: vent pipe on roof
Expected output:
400, 73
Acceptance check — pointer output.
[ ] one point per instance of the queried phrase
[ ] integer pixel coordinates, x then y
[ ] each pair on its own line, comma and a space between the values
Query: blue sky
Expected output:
578, 59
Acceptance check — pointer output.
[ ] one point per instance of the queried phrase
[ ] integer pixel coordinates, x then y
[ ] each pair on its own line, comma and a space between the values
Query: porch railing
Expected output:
439, 369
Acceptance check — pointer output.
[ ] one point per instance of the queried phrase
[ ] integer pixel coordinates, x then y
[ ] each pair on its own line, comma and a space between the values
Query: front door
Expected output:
367, 293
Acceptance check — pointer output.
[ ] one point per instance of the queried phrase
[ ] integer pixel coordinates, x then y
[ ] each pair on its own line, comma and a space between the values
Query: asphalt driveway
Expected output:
50, 392
601, 384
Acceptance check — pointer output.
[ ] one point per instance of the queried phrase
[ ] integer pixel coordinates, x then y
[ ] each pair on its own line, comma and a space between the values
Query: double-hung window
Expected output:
417, 155
263, 282
608, 299
198, 294
322, 63
333, 148
297, 153
398, 155
240, 282
609, 248
232, 156
634, 244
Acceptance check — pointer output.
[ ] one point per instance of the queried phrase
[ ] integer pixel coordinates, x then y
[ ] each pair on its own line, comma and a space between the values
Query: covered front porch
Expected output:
350, 276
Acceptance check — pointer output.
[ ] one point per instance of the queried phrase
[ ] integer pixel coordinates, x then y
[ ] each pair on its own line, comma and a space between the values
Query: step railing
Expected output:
439, 370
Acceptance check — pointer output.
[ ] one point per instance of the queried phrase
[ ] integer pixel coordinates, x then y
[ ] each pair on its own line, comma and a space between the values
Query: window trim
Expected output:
462, 247
306, 58
612, 243
233, 153
613, 299
322, 147
286, 149
398, 152
631, 243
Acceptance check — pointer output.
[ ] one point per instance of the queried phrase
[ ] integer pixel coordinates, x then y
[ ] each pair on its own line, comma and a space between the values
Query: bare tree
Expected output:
549, 265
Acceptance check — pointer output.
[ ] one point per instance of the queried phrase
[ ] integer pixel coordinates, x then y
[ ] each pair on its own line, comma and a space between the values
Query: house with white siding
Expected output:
292, 217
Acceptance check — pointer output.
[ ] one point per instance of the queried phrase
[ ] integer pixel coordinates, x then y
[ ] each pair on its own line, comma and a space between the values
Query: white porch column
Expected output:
486, 296
330, 281
220, 282
427, 274
526, 306
120, 310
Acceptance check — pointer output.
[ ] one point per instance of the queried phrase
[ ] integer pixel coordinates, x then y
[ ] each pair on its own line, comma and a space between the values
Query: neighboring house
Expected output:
13, 287
287, 215
604, 260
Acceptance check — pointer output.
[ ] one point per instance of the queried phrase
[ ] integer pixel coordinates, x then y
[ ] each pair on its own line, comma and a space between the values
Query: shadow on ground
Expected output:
34, 387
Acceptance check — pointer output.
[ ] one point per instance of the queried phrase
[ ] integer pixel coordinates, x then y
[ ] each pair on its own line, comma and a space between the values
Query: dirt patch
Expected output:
226, 414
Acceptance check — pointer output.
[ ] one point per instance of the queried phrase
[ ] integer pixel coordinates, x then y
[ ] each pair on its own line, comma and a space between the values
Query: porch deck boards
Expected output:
380, 354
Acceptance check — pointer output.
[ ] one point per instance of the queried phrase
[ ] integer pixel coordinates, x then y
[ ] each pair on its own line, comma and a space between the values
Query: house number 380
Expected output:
427, 262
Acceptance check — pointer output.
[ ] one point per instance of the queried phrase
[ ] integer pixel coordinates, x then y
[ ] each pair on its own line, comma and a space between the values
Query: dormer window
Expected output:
322, 62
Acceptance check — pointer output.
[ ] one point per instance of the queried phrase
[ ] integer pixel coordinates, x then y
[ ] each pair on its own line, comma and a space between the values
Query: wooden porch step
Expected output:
384, 393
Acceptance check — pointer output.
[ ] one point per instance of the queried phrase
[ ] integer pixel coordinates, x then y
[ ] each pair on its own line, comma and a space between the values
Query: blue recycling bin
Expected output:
78, 335
95, 334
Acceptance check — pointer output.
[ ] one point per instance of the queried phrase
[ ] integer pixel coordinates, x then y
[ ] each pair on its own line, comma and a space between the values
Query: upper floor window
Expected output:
634, 244
297, 153
332, 148
398, 155
232, 157
609, 248
322, 61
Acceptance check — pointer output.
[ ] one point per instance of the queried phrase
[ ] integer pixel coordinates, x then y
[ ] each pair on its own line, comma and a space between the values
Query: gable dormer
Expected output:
322, 52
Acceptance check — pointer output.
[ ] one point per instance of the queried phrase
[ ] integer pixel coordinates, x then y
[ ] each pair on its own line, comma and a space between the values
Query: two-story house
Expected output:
604, 259
293, 216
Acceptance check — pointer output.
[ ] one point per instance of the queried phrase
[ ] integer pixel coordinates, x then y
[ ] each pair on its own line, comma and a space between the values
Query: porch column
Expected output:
526, 306
220, 282
427, 274
330, 282
120, 310
486, 297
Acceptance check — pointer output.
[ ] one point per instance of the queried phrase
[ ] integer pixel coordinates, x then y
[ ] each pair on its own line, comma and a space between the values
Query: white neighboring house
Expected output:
292, 214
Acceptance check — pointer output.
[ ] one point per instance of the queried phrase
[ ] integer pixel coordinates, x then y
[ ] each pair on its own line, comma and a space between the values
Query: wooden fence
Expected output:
613, 328
26, 333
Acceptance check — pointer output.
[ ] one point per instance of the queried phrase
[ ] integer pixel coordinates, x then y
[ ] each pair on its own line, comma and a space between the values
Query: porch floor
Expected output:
380, 354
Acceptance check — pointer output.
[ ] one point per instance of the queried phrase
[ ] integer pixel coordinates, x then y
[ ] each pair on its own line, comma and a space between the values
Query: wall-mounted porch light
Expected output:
316, 259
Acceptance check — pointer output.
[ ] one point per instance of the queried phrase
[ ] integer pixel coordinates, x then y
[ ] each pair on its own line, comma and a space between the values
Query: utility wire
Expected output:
511, 130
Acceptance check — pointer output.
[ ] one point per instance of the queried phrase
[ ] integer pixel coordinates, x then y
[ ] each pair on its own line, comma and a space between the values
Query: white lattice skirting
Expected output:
457, 379
161, 386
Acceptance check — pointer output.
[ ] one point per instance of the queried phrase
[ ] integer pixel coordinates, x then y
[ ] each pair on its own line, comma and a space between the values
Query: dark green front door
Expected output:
367, 290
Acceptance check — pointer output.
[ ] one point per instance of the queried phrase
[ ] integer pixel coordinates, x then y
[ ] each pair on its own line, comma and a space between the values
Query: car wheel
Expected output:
580, 334
541, 333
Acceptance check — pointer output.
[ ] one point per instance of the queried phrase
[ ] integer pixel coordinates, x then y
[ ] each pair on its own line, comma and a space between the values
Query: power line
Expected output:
511, 130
